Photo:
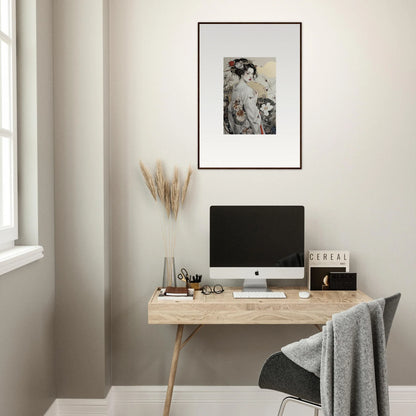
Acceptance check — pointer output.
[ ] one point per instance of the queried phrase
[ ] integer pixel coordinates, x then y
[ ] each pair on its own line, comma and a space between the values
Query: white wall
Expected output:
27, 294
357, 182
82, 321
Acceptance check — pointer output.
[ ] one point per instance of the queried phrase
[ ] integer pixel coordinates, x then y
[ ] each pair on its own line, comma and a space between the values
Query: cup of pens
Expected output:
192, 281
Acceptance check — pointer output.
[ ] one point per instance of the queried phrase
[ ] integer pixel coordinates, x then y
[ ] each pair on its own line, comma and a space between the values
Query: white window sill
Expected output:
19, 256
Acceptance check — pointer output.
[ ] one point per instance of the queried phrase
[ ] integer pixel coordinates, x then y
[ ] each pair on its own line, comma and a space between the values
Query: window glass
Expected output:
5, 85
5, 183
5, 16
8, 168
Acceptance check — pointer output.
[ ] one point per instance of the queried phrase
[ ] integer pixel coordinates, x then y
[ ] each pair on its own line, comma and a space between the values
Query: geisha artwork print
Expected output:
249, 95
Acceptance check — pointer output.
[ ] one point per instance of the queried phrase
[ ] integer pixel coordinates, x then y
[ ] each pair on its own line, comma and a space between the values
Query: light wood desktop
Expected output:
223, 309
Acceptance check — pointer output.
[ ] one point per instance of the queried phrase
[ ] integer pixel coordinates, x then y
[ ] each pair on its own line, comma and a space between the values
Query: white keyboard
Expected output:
259, 295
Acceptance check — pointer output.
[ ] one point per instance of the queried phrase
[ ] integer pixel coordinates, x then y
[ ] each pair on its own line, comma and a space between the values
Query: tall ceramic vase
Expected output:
169, 275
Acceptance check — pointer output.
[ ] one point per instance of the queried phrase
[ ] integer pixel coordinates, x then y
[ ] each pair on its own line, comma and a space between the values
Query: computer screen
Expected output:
257, 242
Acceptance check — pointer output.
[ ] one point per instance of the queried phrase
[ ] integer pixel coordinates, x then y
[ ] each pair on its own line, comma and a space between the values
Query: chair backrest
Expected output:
389, 311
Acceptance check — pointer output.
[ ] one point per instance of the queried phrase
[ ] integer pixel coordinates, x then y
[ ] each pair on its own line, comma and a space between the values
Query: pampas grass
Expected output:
171, 195
175, 193
166, 198
160, 181
186, 184
148, 179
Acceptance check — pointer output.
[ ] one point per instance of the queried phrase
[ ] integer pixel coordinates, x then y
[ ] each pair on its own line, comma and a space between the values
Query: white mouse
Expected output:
304, 295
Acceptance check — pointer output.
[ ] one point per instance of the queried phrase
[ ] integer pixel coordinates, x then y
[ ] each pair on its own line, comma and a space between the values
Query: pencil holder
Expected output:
195, 285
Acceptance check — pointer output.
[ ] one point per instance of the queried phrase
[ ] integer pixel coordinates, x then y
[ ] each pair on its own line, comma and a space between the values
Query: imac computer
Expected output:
256, 243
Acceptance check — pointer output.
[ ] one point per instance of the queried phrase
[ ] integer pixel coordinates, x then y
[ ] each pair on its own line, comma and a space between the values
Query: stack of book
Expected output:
176, 293
324, 262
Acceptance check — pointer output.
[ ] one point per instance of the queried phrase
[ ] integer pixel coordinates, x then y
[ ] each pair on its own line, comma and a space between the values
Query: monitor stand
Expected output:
255, 285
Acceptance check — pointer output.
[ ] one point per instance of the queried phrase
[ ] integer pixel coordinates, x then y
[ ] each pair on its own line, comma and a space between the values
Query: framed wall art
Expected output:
249, 95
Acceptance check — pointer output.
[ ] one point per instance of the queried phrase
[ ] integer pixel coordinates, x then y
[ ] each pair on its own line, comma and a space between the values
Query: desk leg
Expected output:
173, 368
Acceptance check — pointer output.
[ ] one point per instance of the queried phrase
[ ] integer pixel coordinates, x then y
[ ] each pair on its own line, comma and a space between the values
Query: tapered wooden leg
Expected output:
173, 368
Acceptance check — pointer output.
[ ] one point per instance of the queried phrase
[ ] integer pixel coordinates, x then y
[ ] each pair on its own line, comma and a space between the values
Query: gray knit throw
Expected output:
349, 357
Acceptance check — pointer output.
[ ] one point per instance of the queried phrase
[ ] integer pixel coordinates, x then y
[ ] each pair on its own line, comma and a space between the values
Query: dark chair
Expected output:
282, 374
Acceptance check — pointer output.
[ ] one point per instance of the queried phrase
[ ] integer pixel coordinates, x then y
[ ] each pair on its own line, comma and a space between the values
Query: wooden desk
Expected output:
223, 309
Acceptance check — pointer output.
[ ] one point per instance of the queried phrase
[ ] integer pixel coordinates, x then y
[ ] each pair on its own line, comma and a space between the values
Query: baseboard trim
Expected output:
84, 407
403, 395
53, 409
192, 394
203, 400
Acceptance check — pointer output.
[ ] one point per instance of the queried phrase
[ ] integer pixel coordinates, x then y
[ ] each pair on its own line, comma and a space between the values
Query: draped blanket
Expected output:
349, 357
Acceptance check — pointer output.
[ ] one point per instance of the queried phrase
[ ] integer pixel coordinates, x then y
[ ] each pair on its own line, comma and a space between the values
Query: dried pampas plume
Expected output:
160, 181
175, 193
149, 180
166, 199
186, 184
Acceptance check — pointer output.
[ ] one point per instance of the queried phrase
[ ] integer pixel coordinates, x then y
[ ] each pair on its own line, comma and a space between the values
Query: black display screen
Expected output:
257, 236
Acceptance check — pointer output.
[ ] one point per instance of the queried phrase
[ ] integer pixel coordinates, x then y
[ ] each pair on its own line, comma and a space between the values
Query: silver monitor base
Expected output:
255, 285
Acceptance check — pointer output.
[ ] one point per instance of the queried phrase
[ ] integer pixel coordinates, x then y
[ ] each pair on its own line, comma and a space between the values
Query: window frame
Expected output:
9, 234
14, 256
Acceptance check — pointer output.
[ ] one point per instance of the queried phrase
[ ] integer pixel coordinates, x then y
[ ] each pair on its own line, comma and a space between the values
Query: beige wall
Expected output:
27, 383
357, 182
81, 198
